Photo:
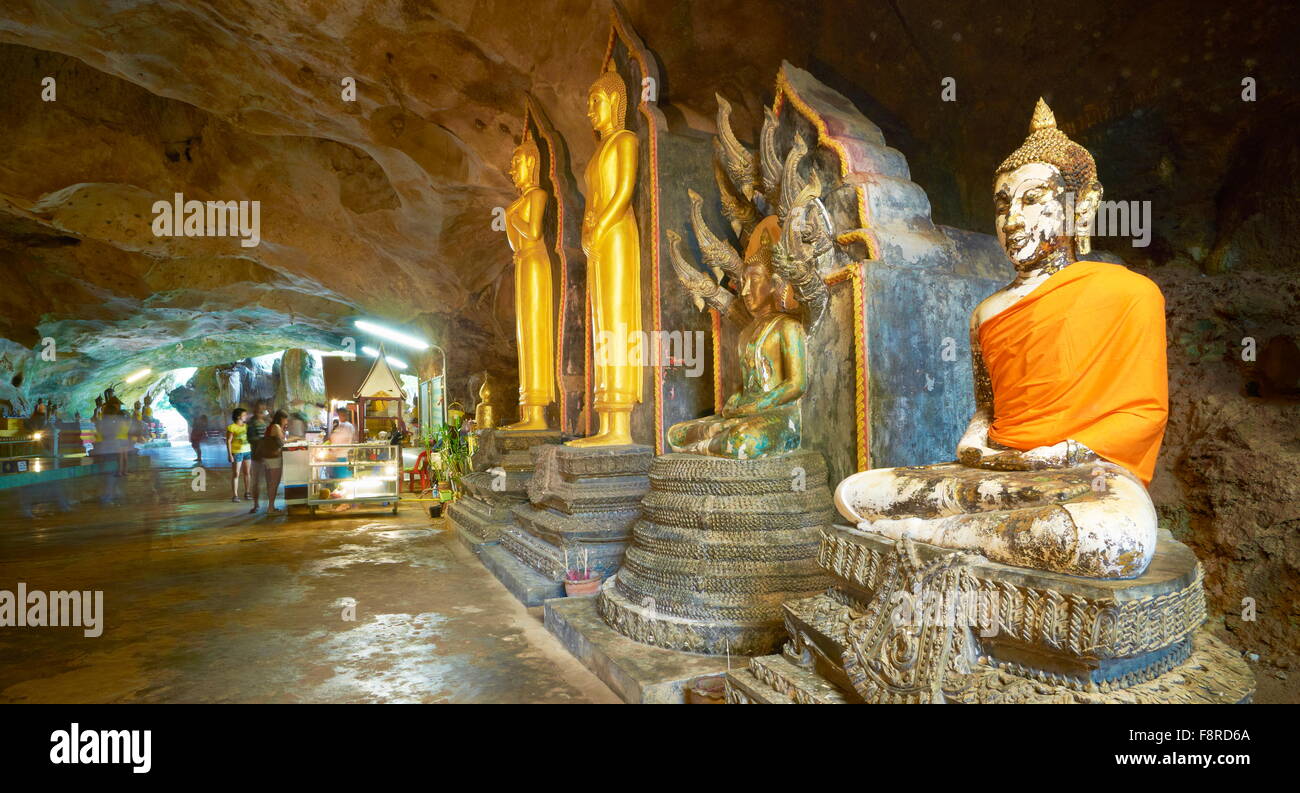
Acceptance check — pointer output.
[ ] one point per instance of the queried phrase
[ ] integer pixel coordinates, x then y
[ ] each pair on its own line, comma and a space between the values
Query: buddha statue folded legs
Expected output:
1071, 395
750, 426
1093, 520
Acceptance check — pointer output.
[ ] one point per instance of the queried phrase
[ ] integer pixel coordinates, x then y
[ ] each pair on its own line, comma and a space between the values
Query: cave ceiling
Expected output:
383, 206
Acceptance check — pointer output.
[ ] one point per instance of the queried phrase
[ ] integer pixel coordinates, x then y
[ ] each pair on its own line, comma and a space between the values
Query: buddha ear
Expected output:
1085, 211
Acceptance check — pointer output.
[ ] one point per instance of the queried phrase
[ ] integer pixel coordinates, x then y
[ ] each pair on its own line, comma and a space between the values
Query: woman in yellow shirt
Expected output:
238, 451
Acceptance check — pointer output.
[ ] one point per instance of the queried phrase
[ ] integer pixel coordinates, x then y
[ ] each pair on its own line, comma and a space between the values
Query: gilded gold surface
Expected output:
611, 241
534, 326
485, 415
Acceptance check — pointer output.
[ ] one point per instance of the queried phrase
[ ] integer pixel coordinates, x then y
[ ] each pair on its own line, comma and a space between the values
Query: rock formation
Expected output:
382, 206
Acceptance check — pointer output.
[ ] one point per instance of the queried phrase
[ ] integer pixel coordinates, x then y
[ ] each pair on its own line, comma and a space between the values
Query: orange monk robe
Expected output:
1082, 357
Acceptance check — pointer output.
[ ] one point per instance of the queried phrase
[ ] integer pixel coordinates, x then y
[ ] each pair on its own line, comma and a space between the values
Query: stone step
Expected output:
541, 557
526, 584
745, 689
636, 672
604, 494
558, 527
800, 685
512, 489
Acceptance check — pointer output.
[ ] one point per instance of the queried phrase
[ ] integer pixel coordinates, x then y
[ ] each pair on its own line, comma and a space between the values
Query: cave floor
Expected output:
205, 603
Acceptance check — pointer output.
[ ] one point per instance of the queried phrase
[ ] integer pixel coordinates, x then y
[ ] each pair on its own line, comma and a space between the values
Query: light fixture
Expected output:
404, 339
373, 353
138, 375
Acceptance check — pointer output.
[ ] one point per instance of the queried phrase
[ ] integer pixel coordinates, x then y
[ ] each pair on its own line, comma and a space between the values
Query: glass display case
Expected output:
353, 473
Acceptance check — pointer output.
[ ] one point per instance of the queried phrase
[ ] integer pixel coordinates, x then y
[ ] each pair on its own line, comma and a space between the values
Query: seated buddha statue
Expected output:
763, 418
1071, 394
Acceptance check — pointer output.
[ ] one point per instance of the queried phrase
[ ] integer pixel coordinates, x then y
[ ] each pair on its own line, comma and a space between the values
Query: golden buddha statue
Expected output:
612, 243
534, 326
1071, 394
485, 415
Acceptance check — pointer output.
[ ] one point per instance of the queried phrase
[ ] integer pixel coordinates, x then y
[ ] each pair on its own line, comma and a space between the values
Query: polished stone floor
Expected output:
205, 603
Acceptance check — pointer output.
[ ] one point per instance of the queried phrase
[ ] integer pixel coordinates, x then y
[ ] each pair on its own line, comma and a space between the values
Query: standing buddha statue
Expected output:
1071, 394
534, 327
612, 244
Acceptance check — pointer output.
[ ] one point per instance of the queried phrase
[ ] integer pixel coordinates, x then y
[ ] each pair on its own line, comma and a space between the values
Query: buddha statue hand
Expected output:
737, 406
1066, 454
974, 443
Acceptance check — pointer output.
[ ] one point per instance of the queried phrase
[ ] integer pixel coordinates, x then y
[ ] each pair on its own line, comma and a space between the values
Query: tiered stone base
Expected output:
1212, 673
583, 500
638, 673
720, 545
1037, 637
479, 516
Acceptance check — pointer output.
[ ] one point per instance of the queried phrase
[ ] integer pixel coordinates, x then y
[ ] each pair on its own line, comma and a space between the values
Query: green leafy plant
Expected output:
453, 453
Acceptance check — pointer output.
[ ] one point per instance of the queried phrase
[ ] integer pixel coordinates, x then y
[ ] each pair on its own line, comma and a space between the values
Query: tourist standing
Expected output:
344, 430
256, 427
107, 447
118, 431
237, 452
198, 431
273, 459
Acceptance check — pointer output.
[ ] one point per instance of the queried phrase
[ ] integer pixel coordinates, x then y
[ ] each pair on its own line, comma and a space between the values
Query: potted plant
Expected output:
580, 580
453, 455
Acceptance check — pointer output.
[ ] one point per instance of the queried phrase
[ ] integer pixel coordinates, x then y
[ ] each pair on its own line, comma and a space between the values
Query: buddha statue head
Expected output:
761, 287
524, 164
1045, 195
607, 103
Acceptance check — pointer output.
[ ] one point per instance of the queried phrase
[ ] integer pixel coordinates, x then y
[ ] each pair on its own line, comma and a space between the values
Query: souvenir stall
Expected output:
366, 472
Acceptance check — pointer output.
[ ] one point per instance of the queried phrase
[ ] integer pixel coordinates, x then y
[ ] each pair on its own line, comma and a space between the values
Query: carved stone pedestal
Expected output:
720, 545
912, 623
503, 466
581, 499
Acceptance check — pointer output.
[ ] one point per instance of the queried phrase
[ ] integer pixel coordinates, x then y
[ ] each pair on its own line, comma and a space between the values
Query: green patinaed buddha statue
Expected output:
777, 281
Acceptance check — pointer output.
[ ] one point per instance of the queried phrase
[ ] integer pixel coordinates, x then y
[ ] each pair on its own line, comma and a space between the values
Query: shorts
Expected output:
272, 462
241, 456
